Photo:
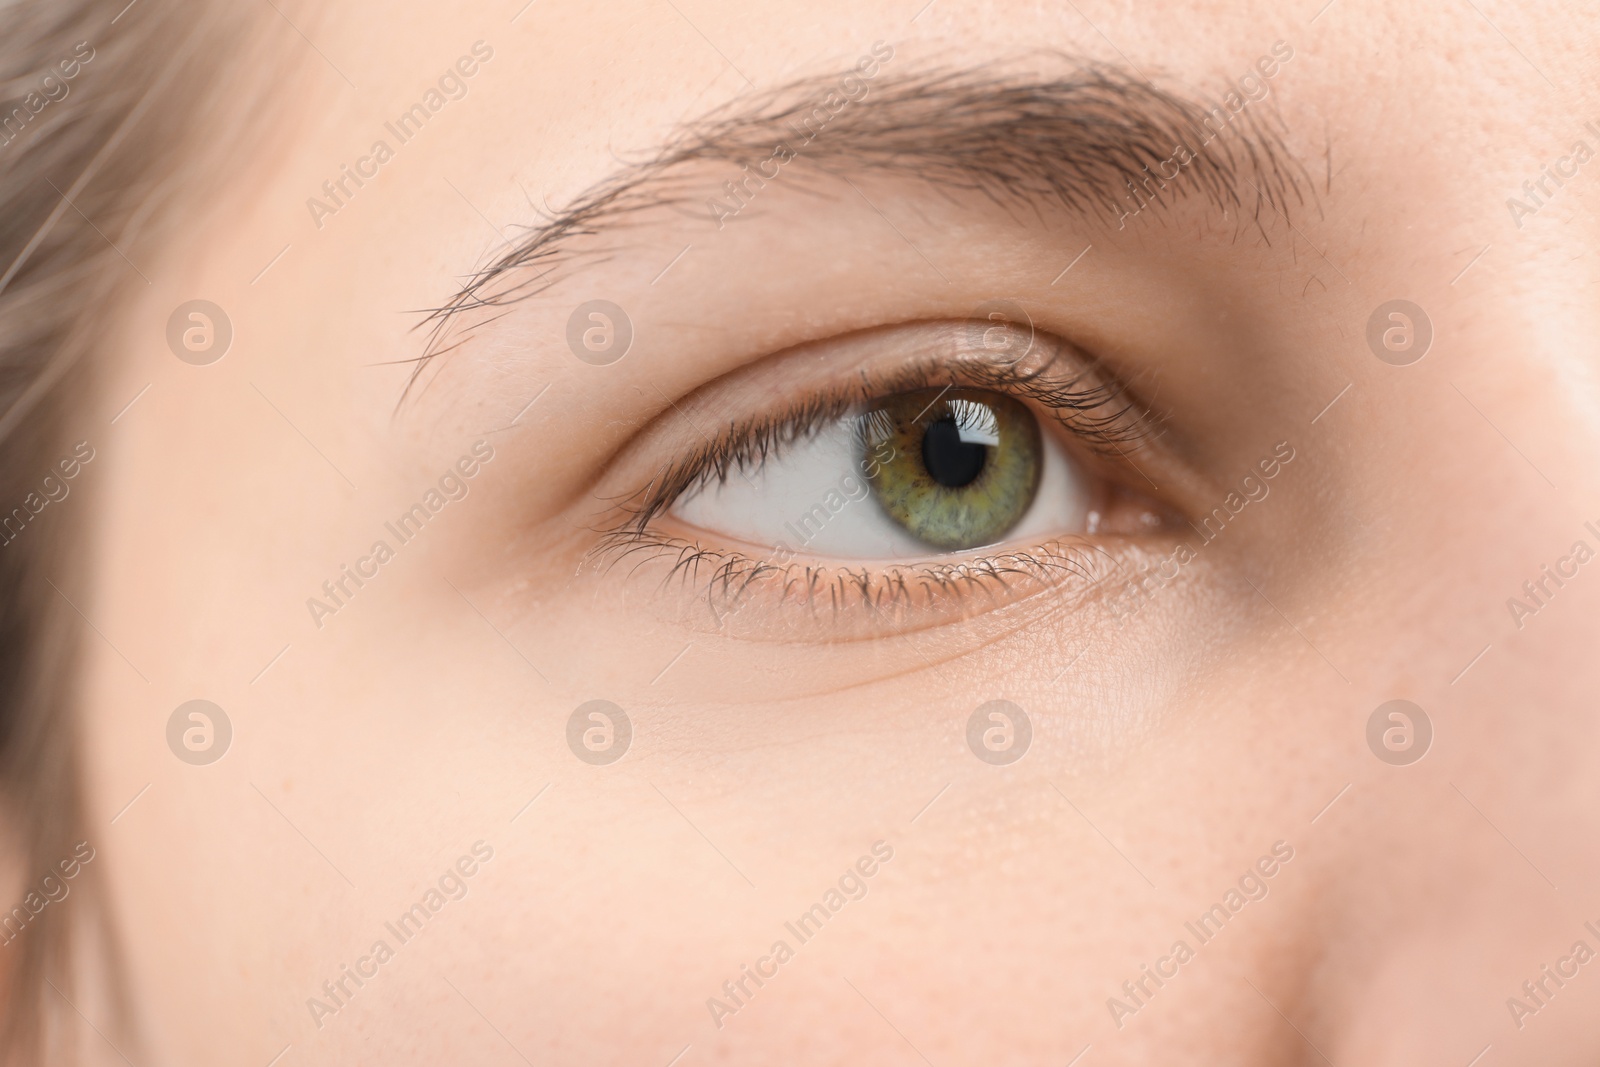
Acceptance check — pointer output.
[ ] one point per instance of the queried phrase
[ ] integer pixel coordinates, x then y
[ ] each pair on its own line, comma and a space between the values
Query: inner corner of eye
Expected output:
914, 474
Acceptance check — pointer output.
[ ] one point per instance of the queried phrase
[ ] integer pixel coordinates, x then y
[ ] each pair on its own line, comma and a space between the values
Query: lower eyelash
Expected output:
728, 579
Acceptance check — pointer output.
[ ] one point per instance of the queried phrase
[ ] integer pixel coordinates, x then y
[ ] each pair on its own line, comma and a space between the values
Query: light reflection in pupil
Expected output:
951, 461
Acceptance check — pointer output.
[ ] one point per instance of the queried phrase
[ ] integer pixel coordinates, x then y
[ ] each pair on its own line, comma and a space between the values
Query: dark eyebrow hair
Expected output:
1091, 139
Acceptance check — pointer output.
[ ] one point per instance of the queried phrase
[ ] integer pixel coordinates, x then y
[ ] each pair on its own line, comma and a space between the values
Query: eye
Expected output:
909, 475
900, 467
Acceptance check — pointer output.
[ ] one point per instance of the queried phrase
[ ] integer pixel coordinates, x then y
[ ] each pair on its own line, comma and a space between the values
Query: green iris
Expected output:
962, 465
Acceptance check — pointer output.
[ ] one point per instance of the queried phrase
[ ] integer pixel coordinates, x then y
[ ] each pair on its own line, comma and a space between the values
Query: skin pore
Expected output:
1187, 739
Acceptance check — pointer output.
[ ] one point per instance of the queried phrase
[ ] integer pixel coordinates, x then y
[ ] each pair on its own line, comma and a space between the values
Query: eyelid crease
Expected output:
1097, 410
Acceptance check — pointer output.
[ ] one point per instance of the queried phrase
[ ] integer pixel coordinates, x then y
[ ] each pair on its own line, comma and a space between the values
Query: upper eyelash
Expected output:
1098, 411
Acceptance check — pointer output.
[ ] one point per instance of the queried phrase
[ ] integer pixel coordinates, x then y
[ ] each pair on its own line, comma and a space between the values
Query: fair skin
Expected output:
1170, 752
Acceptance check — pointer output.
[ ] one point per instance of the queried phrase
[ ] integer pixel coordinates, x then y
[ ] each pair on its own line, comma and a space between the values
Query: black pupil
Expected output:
951, 461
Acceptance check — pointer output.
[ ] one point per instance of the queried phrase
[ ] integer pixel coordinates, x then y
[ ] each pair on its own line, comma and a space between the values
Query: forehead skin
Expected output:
372, 751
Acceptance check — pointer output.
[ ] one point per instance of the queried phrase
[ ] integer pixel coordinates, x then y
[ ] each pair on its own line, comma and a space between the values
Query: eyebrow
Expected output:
1096, 140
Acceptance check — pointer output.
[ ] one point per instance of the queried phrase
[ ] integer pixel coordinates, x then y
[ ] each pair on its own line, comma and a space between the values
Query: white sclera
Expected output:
811, 499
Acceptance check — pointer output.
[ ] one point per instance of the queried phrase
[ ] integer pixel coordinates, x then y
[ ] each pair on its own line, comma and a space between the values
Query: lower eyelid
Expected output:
754, 598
